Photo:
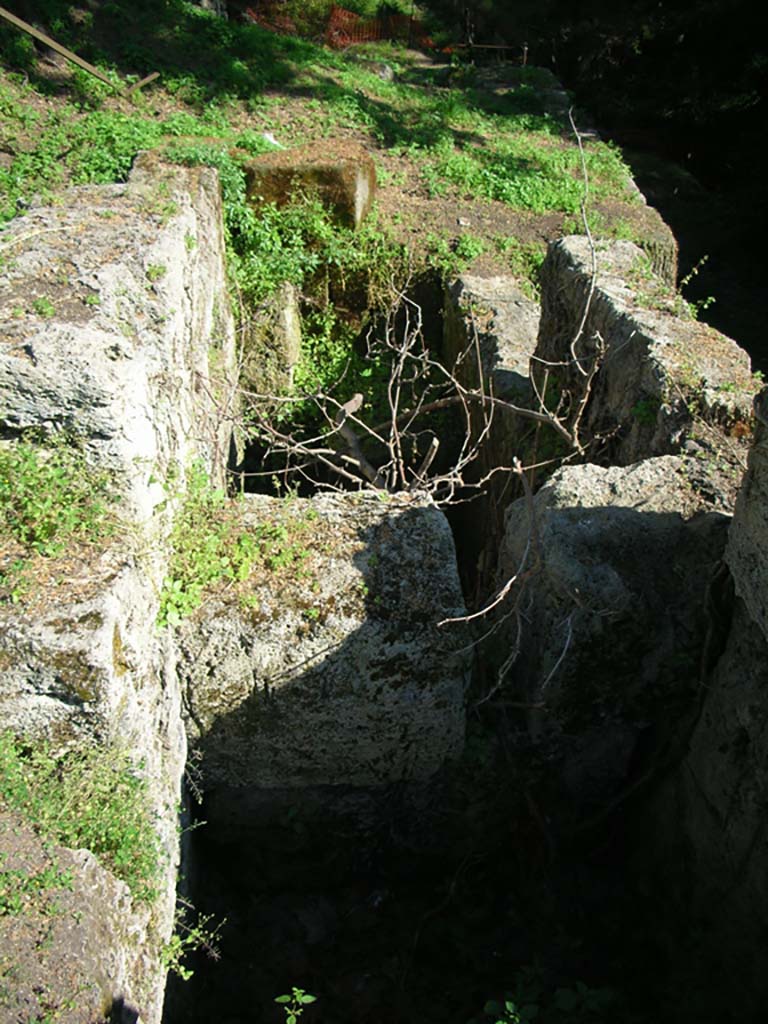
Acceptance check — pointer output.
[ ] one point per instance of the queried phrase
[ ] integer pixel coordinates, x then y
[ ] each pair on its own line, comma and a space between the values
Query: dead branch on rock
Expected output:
406, 449
592, 250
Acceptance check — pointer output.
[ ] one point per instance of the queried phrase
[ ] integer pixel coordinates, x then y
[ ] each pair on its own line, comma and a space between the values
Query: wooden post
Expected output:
43, 38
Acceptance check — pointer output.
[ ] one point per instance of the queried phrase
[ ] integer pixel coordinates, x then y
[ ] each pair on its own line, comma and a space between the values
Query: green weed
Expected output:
92, 798
211, 547
44, 307
294, 1004
453, 257
524, 260
190, 938
646, 411
155, 272
20, 889
49, 495
533, 1000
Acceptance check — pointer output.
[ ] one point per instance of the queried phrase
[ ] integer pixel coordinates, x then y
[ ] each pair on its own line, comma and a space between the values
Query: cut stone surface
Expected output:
504, 322
664, 379
709, 818
79, 915
613, 574
747, 555
127, 342
271, 344
338, 675
341, 173
489, 335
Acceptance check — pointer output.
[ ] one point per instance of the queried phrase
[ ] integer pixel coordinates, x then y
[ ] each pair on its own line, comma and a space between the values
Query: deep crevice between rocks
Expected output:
422, 900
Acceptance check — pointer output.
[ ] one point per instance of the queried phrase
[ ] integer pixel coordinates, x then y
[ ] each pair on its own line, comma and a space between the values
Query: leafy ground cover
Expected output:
87, 798
50, 500
435, 133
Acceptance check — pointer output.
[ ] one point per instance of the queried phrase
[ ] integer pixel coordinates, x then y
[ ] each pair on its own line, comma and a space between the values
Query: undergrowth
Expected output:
49, 496
210, 547
90, 798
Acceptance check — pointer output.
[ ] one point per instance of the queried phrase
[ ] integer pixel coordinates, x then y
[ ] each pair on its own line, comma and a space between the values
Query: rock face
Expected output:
271, 344
126, 342
341, 173
339, 675
613, 567
494, 314
489, 335
711, 857
79, 946
662, 375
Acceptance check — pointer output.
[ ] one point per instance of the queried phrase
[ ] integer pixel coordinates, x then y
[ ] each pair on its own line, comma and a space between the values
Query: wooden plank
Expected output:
43, 38
142, 83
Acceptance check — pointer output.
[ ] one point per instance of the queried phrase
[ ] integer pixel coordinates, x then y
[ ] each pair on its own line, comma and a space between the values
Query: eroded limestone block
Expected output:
338, 673
497, 316
341, 173
613, 570
83, 662
664, 379
79, 949
747, 555
709, 817
116, 326
271, 344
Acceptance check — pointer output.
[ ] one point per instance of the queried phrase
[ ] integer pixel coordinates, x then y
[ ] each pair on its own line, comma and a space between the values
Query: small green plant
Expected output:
49, 495
21, 889
646, 410
452, 258
190, 938
533, 1000
92, 798
92, 299
44, 307
156, 271
525, 260
508, 1012
210, 547
295, 1003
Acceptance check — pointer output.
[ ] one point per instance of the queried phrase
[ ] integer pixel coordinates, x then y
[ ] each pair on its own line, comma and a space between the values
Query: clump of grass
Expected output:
91, 798
525, 260
20, 889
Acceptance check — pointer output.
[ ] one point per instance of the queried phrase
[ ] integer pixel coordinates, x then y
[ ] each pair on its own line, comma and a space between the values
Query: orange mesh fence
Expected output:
270, 16
345, 27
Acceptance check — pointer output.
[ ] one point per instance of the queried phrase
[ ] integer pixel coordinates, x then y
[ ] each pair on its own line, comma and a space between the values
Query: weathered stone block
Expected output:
709, 817
135, 350
662, 374
79, 951
341, 173
116, 328
271, 344
339, 676
613, 567
747, 554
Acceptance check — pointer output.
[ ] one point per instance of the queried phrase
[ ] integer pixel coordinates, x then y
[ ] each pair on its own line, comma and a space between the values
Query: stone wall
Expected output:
663, 374
711, 855
335, 674
131, 351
